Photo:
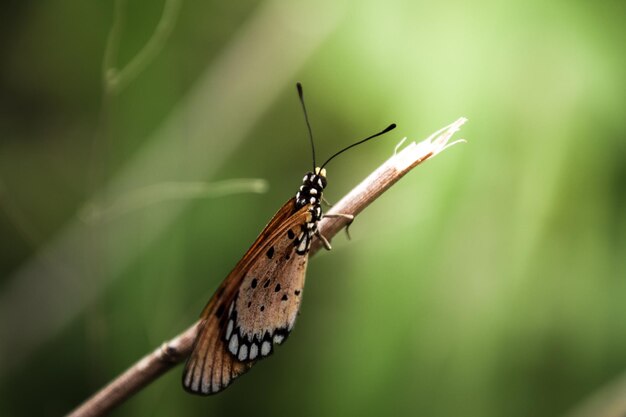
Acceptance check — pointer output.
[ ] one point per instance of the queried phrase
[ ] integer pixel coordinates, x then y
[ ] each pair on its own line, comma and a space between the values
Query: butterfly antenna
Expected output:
308, 125
382, 132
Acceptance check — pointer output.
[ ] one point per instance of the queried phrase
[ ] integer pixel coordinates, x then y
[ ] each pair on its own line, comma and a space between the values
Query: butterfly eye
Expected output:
321, 172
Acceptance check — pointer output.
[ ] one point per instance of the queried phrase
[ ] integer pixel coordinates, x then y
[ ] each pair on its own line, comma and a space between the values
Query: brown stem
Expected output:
171, 353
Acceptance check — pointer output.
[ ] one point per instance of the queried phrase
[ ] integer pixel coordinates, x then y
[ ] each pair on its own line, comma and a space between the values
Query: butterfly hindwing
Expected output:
211, 366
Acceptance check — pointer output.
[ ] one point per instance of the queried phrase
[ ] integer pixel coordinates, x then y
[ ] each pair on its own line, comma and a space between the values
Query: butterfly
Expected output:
255, 307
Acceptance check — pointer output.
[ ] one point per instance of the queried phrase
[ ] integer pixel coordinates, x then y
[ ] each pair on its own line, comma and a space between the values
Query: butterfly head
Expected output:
320, 176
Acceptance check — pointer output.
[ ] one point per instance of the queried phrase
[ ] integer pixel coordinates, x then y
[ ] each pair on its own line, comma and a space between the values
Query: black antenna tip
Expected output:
299, 87
390, 127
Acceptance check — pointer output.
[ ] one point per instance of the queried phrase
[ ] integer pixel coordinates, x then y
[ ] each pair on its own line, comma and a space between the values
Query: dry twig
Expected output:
176, 350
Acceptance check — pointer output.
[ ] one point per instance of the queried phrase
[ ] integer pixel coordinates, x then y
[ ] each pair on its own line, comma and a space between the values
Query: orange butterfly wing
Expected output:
235, 307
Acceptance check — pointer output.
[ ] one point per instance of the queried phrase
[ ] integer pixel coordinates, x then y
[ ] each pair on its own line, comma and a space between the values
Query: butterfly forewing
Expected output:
211, 367
268, 300
233, 318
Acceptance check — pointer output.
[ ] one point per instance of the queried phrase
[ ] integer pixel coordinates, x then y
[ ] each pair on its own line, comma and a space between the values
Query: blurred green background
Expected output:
489, 282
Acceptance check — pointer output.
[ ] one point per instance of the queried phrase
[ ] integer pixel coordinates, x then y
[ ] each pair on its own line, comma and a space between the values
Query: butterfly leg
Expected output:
325, 241
349, 217
326, 202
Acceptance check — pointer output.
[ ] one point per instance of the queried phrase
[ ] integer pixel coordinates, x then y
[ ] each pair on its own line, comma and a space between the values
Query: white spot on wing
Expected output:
215, 385
243, 353
206, 384
254, 351
278, 338
265, 348
188, 377
230, 309
195, 384
233, 346
229, 329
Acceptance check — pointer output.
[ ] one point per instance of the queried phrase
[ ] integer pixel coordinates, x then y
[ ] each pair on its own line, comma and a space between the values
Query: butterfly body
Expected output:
256, 306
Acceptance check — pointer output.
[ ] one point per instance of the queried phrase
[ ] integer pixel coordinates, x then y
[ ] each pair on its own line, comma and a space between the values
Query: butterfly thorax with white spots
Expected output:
310, 194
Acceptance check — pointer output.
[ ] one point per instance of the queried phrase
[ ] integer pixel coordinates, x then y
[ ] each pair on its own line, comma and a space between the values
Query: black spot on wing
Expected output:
253, 284
290, 234
270, 252
277, 287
